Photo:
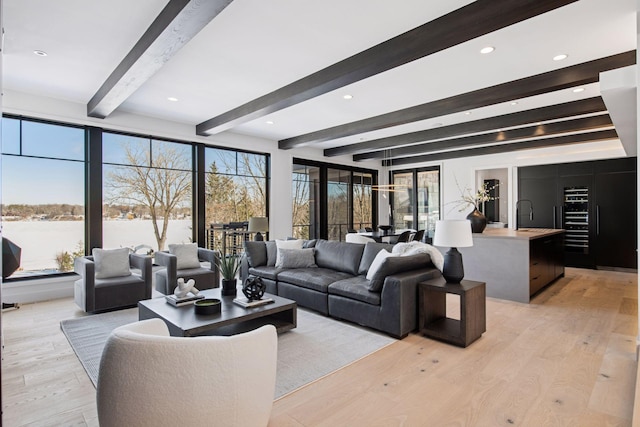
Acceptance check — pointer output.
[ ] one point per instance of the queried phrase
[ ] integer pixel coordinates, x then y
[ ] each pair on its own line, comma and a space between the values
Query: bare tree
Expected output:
160, 188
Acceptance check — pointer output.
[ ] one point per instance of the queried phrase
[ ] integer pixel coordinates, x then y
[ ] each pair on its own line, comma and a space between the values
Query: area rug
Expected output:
318, 346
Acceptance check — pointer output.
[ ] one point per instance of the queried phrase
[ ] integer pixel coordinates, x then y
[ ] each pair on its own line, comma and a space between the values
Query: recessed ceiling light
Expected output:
172, 99
560, 57
269, 122
348, 96
487, 49
40, 52
578, 90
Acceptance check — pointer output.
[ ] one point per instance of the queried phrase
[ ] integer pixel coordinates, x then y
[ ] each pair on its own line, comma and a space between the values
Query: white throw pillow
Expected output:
287, 244
111, 262
187, 255
377, 262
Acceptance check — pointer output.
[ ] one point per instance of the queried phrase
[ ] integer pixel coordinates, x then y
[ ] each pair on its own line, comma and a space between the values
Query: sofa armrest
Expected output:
210, 256
165, 259
399, 297
143, 263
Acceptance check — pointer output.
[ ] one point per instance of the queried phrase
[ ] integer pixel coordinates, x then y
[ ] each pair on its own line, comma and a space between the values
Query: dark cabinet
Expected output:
595, 202
616, 219
546, 261
537, 189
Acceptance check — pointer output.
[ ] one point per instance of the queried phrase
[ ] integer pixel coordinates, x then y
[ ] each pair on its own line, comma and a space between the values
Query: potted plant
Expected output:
228, 266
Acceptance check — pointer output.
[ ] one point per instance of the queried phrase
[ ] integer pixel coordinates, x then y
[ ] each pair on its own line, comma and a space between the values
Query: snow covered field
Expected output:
41, 240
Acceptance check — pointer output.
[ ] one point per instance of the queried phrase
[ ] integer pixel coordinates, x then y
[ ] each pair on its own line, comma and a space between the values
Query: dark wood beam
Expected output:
567, 109
536, 131
178, 22
505, 148
474, 20
580, 74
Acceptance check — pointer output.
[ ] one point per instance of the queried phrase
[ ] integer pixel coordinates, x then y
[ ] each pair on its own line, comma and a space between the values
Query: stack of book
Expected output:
244, 302
178, 302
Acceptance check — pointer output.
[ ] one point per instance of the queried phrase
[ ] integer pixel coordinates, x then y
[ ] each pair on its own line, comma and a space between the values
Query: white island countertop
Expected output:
522, 233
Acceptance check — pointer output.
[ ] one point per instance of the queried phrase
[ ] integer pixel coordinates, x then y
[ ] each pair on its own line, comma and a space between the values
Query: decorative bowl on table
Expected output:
207, 306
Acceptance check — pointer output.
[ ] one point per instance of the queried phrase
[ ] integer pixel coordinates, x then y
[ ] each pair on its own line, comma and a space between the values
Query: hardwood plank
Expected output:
474, 20
537, 364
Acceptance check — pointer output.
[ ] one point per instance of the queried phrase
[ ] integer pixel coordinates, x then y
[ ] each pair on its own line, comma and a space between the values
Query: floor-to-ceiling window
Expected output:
236, 189
147, 185
305, 196
43, 190
331, 200
138, 190
416, 199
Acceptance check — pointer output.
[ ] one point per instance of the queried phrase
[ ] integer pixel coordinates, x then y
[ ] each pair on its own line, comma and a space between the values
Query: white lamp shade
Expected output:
258, 224
453, 234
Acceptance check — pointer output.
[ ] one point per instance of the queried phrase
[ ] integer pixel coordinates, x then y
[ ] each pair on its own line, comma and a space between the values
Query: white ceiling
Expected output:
257, 46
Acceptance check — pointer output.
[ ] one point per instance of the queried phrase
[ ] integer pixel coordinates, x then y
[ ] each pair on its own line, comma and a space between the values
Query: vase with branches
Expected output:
477, 199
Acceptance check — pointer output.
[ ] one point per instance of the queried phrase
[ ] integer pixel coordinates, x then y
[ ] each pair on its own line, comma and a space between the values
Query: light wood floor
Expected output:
566, 359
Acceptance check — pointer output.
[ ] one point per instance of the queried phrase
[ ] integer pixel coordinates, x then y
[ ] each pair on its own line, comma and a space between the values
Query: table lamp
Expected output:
454, 234
258, 224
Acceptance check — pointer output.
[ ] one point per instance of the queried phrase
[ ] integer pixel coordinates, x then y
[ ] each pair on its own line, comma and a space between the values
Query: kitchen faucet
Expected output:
530, 210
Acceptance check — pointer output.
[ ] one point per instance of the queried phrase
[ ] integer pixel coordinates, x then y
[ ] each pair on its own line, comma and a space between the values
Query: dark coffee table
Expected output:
233, 319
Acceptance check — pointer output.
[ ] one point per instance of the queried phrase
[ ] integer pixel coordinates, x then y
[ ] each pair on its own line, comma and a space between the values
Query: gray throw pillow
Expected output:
396, 264
186, 254
272, 253
111, 262
256, 253
297, 258
371, 249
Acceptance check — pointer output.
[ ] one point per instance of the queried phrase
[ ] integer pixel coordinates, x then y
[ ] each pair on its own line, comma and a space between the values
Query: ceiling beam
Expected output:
537, 131
580, 74
474, 20
505, 148
567, 109
178, 23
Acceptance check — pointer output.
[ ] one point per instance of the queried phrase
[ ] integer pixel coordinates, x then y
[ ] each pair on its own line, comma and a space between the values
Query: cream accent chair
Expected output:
148, 378
357, 238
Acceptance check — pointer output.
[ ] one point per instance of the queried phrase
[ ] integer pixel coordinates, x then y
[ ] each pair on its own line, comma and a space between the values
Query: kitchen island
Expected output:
515, 264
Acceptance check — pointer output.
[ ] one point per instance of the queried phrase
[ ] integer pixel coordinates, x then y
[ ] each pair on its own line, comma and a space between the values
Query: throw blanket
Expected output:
411, 248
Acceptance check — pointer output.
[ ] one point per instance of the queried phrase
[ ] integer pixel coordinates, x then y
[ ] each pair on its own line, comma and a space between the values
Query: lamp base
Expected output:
258, 237
453, 271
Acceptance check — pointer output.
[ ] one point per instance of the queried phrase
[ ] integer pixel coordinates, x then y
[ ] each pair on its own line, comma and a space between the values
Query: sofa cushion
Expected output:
340, 256
272, 253
111, 262
317, 279
395, 264
297, 258
256, 253
186, 254
265, 271
371, 249
287, 244
356, 288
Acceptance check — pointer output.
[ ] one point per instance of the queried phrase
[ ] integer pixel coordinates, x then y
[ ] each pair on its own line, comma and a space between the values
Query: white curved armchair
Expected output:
357, 238
148, 378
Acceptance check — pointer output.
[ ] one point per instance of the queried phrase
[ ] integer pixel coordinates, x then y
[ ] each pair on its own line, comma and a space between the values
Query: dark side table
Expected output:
433, 321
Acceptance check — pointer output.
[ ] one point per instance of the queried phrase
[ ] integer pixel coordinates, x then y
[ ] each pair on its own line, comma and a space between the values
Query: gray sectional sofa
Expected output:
337, 285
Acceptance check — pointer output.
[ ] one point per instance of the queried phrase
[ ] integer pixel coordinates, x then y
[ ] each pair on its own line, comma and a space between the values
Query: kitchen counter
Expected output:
523, 233
515, 264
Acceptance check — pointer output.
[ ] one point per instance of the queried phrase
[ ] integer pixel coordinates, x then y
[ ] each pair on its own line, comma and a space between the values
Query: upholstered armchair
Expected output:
184, 261
148, 378
107, 282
